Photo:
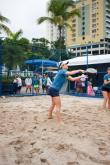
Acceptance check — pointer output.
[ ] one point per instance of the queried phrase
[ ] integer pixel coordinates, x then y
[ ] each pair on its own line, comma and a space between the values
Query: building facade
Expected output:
91, 31
52, 33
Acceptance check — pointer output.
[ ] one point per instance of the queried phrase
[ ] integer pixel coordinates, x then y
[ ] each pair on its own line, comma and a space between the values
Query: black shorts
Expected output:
43, 87
19, 88
53, 92
105, 89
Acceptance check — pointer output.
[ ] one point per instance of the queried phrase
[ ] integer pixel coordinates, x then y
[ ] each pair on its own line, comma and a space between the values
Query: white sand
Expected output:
27, 137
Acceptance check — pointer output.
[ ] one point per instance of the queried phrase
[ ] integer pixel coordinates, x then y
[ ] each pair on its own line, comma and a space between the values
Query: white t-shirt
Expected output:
83, 80
28, 81
19, 81
49, 82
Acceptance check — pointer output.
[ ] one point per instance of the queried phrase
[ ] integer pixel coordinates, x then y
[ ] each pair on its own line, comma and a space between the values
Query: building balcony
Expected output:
108, 15
107, 25
107, 20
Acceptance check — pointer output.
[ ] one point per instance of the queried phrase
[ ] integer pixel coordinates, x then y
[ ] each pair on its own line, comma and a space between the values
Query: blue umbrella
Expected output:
46, 63
42, 63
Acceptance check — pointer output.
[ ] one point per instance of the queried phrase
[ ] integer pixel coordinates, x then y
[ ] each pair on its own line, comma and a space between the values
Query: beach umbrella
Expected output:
42, 63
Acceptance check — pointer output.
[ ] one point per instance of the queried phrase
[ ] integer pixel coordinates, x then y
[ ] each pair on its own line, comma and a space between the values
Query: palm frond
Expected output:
19, 33
67, 3
67, 15
67, 25
43, 19
16, 36
4, 19
5, 29
75, 12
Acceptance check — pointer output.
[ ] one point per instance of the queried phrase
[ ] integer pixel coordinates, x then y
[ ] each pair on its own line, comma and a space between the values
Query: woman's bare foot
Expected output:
108, 109
62, 123
50, 117
102, 109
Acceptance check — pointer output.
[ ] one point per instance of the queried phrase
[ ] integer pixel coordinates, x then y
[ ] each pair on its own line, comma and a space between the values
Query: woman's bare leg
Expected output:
50, 111
105, 95
108, 100
57, 103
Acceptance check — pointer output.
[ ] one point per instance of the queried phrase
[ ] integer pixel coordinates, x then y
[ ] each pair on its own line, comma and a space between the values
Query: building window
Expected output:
102, 52
83, 8
95, 52
93, 20
94, 7
83, 18
74, 25
83, 13
78, 54
101, 45
74, 20
108, 17
94, 15
83, 23
74, 35
83, 33
93, 36
89, 47
94, 31
95, 46
74, 30
83, 48
74, 39
94, 26
83, 38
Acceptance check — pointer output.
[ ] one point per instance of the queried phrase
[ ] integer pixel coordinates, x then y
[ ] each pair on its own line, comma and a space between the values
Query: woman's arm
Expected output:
76, 78
106, 82
74, 72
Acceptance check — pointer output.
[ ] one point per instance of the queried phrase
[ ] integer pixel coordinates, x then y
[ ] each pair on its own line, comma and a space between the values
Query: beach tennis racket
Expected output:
91, 70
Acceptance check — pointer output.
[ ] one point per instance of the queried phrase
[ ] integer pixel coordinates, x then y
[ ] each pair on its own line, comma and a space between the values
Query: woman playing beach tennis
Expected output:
106, 90
56, 86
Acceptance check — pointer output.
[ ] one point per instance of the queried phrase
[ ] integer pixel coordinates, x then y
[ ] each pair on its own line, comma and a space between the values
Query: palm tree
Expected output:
15, 36
59, 15
16, 49
3, 27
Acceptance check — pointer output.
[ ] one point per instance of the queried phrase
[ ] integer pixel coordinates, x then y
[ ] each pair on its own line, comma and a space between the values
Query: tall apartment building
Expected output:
91, 30
52, 32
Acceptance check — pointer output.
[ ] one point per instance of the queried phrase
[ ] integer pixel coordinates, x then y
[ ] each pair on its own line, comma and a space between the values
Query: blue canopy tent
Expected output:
42, 63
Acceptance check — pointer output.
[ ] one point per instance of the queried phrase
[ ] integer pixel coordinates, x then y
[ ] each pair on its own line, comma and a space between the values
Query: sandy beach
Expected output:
27, 137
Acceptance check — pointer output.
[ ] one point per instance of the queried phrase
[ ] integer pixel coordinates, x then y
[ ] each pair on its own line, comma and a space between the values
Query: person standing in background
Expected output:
90, 90
78, 85
40, 83
83, 81
28, 83
36, 84
15, 85
48, 82
44, 82
19, 84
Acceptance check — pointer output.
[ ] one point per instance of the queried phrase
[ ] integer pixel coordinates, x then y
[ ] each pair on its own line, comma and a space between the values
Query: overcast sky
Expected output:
23, 15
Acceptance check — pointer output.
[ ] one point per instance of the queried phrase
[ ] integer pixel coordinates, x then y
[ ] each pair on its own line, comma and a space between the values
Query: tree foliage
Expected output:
3, 26
16, 50
59, 14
